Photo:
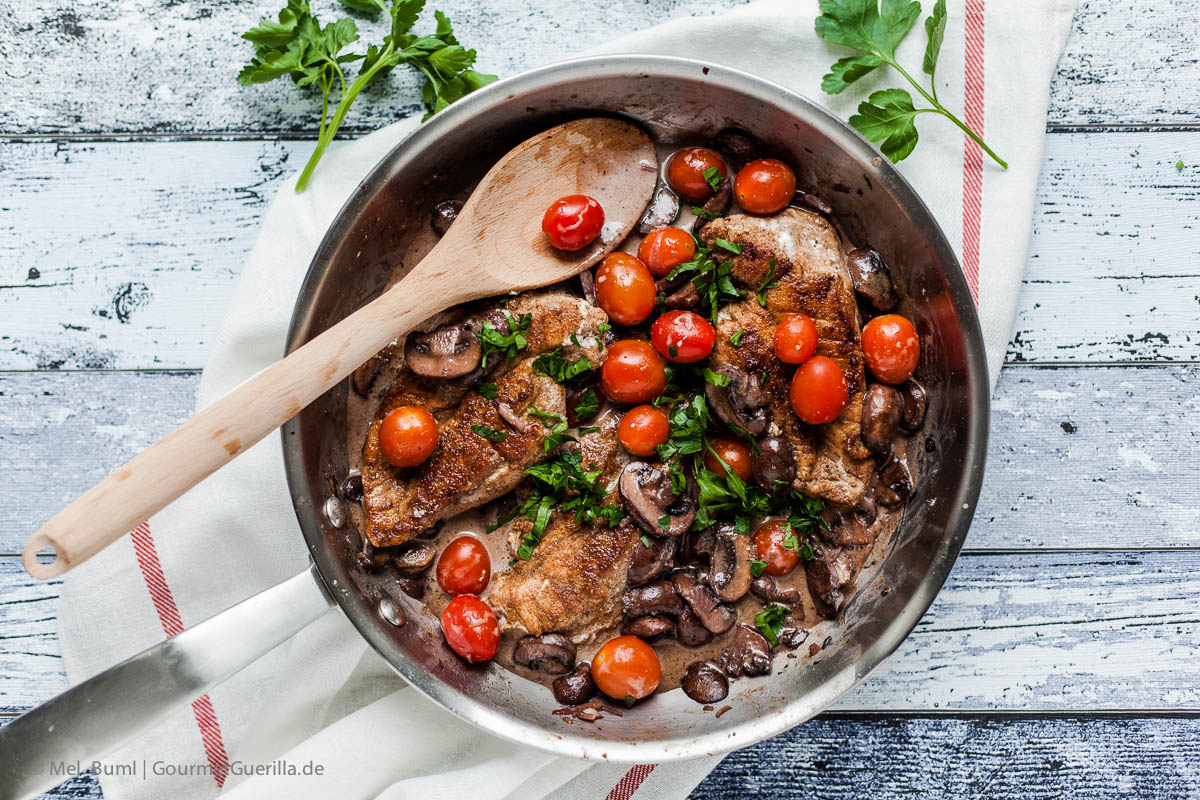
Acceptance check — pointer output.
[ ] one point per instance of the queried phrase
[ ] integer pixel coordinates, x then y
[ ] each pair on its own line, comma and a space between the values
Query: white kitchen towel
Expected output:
324, 696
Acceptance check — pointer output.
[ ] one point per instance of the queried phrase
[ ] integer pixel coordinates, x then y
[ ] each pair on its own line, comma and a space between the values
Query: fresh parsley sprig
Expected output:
562, 482
297, 45
887, 117
711, 277
770, 621
493, 340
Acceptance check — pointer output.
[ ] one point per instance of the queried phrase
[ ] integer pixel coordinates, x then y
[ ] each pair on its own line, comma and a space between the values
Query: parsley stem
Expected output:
941, 109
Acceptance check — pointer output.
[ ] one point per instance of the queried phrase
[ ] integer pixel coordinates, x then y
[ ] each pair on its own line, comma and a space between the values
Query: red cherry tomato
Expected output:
795, 339
625, 289
626, 667
633, 372
464, 566
685, 172
683, 336
764, 186
733, 452
471, 628
819, 390
407, 436
642, 429
665, 249
769, 547
572, 222
891, 348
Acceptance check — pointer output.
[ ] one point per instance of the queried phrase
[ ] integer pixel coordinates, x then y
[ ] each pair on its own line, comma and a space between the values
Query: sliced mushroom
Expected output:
792, 636
686, 296
412, 586
814, 202
767, 589
362, 377
742, 403
775, 462
371, 557
351, 487
650, 562
587, 282
690, 631
655, 598
881, 411
662, 211
895, 482
699, 545
648, 627
871, 278
550, 652
915, 402
729, 573
449, 352
414, 559
828, 573
647, 494
723, 198
746, 654
738, 146
718, 617
575, 687
704, 682
846, 528
443, 216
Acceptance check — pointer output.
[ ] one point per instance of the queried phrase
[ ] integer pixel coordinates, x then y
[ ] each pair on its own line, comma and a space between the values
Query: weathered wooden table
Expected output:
1061, 657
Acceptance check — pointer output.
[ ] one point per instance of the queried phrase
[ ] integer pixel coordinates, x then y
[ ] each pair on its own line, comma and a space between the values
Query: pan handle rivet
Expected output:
335, 512
391, 614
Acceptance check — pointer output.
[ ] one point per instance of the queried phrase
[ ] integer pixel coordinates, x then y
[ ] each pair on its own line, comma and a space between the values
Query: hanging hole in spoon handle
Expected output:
42, 559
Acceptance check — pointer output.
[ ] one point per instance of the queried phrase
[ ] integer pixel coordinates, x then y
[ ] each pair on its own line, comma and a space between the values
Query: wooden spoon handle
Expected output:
211, 438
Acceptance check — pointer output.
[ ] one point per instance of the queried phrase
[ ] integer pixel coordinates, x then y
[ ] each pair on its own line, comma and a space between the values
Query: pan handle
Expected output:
94, 718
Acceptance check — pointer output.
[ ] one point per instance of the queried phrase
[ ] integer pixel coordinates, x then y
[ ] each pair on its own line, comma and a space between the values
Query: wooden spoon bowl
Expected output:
496, 245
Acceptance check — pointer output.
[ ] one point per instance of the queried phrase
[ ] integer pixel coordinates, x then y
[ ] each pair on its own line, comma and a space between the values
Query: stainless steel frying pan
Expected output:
672, 98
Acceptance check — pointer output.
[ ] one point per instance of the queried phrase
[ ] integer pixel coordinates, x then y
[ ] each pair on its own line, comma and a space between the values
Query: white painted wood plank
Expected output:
1048, 631
141, 279
105, 66
1064, 442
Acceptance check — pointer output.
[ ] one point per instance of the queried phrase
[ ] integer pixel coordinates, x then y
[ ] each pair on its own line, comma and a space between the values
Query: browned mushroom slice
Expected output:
449, 352
895, 482
704, 682
443, 216
767, 589
662, 211
646, 493
881, 411
913, 416
690, 631
775, 462
737, 146
651, 561
729, 573
742, 403
415, 558
846, 528
576, 686
871, 278
746, 654
655, 598
828, 573
718, 617
648, 627
550, 652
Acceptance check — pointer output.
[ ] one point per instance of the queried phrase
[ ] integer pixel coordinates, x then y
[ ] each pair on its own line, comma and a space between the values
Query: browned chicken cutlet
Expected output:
467, 469
809, 277
573, 582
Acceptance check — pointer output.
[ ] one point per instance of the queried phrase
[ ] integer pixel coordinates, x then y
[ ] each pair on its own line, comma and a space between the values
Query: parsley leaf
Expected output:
735, 338
716, 378
711, 279
557, 424
725, 244
713, 177
874, 28
493, 340
1179, 166
488, 390
488, 432
704, 213
562, 482
646, 541
761, 291
559, 368
770, 621
757, 568
295, 44
588, 406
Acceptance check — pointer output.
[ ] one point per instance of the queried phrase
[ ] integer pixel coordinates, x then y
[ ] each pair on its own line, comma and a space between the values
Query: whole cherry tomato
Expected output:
733, 452
891, 348
769, 547
764, 186
685, 172
683, 336
642, 429
464, 566
626, 668
407, 436
572, 222
665, 249
633, 372
471, 628
795, 339
819, 390
625, 289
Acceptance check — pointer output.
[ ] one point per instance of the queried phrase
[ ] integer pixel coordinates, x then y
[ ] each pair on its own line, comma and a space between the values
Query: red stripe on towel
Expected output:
172, 625
972, 154
630, 782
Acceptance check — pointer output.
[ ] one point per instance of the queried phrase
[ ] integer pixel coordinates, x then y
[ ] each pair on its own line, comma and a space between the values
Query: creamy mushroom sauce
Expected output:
675, 657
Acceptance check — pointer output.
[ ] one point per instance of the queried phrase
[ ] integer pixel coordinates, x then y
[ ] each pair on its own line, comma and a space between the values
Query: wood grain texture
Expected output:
138, 281
1009, 632
139, 66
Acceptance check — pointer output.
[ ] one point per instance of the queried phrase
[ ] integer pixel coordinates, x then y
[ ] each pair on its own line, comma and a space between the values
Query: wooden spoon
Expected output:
495, 246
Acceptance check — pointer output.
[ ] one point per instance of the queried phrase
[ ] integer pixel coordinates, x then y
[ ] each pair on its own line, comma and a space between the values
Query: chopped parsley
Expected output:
757, 568
672, 350
761, 292
646, 541
556, 366
713, 177
735, 338
563, 483
488, 390
603, 327
716, 378
770, 621
489, 432
664, 522
703, 213
732, 247
588, 406
511, 343
1179, 166
557, 424
711, 279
